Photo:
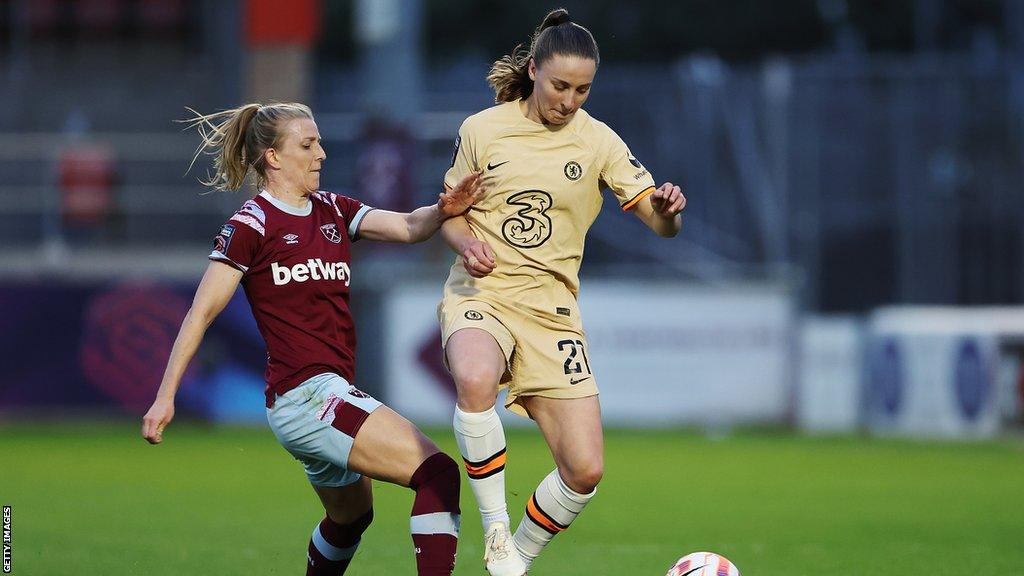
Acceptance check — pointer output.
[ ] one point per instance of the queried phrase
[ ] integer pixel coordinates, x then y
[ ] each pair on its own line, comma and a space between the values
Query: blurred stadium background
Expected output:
851, 263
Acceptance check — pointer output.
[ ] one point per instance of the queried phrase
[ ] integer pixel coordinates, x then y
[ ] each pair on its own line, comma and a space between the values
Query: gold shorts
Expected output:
545, 351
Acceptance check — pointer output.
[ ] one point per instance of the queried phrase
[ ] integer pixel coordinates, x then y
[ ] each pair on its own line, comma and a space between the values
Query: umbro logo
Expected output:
291, 238
493, 166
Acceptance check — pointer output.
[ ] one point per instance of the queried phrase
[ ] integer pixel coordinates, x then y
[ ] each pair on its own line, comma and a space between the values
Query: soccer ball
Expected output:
703, 564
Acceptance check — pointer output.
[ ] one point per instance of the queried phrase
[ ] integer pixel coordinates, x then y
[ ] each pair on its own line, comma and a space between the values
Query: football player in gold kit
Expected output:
509, 315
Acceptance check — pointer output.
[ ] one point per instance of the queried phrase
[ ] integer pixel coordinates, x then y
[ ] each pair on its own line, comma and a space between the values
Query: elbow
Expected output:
202, 314
414, 236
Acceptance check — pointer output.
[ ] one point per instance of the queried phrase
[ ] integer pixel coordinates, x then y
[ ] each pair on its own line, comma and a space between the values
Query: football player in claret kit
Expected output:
289, 247
509, 315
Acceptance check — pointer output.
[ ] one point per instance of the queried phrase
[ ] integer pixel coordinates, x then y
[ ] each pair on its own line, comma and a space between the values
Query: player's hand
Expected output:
466, 193
478, 258
668, 200
159, 416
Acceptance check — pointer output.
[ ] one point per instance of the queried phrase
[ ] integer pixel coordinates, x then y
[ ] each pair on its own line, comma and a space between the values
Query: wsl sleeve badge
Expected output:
223, 239
455, 152
703, 564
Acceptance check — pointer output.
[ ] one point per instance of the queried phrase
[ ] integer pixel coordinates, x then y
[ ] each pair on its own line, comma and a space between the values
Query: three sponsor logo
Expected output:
530, 226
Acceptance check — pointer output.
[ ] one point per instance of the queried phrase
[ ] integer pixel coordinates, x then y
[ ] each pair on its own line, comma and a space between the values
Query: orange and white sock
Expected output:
481, 440
550, 510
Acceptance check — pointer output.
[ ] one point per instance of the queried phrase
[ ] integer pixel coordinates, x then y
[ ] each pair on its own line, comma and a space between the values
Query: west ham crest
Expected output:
353, 391
331, 233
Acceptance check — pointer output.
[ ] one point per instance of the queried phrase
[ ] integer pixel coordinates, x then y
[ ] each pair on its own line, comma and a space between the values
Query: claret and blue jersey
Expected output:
296, 276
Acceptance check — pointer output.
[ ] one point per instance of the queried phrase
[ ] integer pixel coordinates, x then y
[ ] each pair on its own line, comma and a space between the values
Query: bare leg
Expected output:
477, 364
572, 429
346, 503
390, 448
335, 539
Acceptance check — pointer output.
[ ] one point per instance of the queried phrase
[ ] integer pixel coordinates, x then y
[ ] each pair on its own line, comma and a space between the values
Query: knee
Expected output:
437, 470
477, 389
359, 524
585, 478
348, 504
346, 515
437, 484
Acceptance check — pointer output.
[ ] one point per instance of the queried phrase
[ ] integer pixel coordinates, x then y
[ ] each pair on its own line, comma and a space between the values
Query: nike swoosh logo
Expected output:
694, 570
493, 166
572, 381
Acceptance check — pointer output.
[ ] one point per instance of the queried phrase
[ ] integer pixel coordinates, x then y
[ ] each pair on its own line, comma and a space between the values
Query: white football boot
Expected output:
500, 553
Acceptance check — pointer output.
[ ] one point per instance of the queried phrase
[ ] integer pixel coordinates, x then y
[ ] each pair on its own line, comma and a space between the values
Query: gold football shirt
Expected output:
544, 193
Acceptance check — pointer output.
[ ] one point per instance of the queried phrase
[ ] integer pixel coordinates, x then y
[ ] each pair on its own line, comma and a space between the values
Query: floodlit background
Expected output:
851, 261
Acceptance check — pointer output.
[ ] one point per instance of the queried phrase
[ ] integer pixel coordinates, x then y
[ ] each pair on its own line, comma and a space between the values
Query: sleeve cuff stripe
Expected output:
218, 257
353, 228
629, 205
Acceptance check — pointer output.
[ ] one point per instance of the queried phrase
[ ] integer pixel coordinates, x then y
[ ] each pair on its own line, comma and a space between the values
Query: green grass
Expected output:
95, 499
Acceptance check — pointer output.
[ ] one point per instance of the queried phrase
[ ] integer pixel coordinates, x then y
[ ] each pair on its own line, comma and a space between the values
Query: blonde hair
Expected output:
557, 34
239, 137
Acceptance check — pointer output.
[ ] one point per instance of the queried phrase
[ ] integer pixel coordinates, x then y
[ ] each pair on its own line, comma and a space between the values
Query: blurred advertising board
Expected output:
100, 349
830, 363
663, 353
936, 371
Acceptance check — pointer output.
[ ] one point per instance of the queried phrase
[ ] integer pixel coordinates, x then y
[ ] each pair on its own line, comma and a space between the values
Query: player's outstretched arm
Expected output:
422, 223
477, 256
213, 294
660, 210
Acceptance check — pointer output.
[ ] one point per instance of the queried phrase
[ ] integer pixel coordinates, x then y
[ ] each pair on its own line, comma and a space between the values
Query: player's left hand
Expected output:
478, 258
466, 193
668, 200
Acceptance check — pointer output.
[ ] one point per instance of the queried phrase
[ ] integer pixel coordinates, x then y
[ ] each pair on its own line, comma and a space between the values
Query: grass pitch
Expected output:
96, 499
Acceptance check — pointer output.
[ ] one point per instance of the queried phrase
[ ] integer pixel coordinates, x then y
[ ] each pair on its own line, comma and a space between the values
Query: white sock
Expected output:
481, 440
551, 510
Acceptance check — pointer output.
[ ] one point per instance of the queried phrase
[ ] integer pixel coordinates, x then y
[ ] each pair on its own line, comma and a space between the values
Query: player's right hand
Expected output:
478, 258
159, 416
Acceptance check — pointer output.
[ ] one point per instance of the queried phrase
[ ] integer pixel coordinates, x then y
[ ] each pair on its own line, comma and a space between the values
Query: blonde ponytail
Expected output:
238, 138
